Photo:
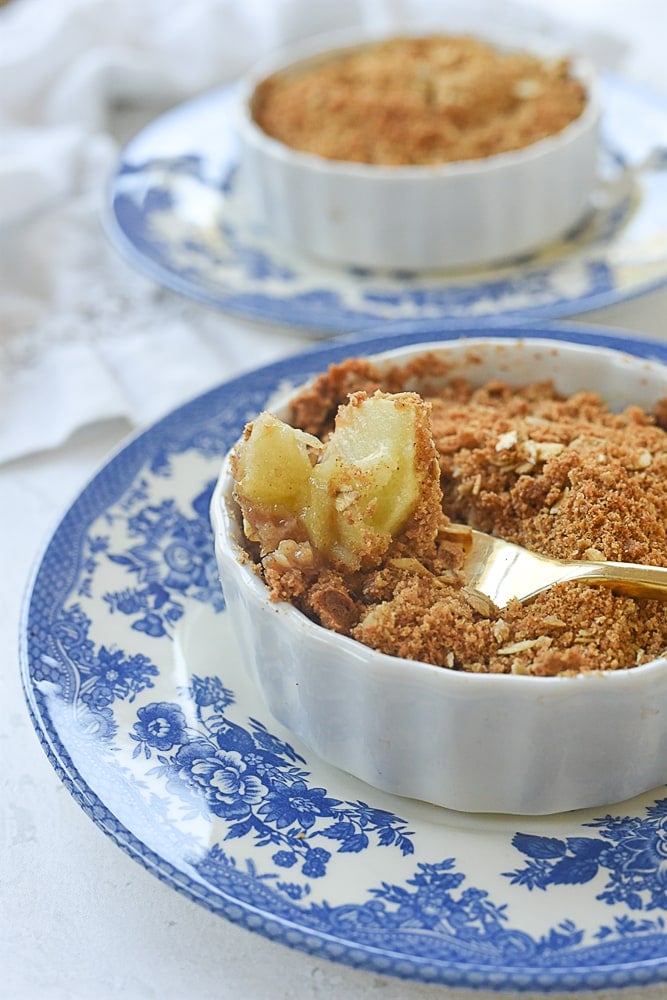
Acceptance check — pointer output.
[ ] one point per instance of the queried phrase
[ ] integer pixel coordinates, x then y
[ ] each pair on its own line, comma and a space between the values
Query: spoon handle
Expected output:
624, 578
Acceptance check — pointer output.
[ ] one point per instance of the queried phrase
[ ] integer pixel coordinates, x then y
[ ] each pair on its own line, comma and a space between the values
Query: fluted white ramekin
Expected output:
456, 215
474, 742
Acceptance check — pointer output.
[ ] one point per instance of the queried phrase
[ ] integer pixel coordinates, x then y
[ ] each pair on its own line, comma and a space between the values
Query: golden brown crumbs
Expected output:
563, 476
418, 100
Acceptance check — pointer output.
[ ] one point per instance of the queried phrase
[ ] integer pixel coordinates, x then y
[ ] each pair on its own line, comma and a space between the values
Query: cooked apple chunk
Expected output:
376, 477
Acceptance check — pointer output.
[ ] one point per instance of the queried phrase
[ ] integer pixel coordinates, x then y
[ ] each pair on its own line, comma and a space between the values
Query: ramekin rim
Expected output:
223, 516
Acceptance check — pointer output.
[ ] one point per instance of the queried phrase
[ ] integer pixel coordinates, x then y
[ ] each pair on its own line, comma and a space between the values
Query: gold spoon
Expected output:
502, 571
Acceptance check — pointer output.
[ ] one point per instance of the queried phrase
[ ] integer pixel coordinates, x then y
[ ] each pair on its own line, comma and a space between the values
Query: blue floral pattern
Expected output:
255, 782
134, 730
630, 850
170, 558
92, 677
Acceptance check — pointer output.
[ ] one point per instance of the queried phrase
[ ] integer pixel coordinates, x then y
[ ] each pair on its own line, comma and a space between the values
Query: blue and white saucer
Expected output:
141, 701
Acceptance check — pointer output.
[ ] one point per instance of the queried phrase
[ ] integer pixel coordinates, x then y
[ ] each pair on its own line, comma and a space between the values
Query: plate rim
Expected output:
220, 902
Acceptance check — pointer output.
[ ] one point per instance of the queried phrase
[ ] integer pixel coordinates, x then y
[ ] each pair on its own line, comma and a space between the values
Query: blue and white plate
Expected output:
142, 703
176, 210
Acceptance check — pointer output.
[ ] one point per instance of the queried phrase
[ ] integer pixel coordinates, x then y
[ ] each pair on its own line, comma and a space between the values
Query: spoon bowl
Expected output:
503, 571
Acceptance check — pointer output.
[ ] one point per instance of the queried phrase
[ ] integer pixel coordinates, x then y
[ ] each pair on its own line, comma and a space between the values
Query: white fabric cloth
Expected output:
82, 335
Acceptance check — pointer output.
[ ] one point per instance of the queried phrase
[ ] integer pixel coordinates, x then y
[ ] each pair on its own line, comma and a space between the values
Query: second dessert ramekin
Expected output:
457, 215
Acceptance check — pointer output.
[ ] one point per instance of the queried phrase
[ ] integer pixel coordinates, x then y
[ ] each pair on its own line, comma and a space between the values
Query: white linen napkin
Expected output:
82, 336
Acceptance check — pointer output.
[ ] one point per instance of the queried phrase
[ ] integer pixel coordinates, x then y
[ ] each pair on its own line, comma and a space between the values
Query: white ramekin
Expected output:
473, 742
416, 217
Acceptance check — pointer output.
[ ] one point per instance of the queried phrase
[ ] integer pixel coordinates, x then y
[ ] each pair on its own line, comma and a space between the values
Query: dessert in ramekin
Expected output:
508, 187
483, 742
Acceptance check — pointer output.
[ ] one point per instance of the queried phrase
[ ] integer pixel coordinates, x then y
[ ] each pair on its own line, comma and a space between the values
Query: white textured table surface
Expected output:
78, 918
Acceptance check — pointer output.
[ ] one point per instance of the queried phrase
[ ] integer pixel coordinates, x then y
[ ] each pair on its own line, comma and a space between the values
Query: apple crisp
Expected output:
393, 477
418, 101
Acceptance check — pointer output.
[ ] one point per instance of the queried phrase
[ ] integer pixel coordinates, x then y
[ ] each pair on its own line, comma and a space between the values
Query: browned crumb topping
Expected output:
422, 100
563, 476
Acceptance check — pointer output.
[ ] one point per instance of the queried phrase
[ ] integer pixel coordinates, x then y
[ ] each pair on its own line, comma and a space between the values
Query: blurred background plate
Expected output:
176, 211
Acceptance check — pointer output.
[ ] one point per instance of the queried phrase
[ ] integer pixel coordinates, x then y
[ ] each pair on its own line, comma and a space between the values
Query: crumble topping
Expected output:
564, 476
418, 100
